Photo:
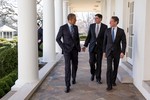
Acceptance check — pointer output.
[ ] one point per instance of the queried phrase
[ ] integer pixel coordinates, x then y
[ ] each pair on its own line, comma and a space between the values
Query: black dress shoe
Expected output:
73, 82
114, 84
109, 88
92, 78
99, 82
67, 90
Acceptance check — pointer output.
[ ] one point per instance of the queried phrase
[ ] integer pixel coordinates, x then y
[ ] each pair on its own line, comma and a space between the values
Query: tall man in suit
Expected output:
95, 41
114, 49
70, 47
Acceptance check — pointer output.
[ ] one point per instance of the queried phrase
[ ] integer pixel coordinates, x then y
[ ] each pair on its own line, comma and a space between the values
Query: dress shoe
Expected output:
114, 84
99, 82
92, 78
67, 90
109, 88
73, 82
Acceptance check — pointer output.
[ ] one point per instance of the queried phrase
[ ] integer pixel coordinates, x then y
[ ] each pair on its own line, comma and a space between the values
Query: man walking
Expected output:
95, 41
114, 49
70, 47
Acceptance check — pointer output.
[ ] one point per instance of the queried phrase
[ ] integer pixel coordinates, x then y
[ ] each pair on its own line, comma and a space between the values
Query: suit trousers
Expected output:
95, 62
71, 59
112, 71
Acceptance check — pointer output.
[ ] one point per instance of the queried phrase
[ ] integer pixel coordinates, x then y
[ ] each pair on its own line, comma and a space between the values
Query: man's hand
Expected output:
39, 41
121, 55
83, 49
104, 55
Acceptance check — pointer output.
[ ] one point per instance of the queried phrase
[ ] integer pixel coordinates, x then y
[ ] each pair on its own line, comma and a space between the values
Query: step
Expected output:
146, 85
123, 75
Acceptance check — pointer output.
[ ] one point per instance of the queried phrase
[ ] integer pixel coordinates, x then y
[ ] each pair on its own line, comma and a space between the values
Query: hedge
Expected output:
8, 61
7, 82
82, 37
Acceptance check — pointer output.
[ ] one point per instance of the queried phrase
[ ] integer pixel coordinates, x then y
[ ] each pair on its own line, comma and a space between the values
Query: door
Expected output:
130, 32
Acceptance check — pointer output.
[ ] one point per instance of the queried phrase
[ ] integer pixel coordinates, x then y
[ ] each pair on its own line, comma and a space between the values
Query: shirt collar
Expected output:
115, 28
69, 25
99, 24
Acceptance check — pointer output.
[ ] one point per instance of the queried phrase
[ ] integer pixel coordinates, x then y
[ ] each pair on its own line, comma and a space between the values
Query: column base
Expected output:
20, 83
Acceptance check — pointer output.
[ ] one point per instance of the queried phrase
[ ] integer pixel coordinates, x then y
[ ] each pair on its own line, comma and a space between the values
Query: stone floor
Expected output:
53, 86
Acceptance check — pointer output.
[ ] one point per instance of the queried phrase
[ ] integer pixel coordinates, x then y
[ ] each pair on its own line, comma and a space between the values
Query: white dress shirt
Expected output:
97, 29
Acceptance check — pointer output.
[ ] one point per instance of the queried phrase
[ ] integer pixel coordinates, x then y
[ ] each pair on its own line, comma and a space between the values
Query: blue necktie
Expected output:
113, 34
72, 31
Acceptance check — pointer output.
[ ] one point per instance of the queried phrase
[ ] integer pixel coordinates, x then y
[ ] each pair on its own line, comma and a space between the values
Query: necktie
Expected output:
113, 34
97, 30
72, 31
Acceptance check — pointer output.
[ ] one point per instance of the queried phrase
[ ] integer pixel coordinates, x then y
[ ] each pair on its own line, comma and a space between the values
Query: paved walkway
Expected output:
53, 86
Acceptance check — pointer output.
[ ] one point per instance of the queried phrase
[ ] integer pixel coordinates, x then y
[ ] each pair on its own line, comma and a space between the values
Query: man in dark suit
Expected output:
70, 47
95, 41
114, 49
40, 37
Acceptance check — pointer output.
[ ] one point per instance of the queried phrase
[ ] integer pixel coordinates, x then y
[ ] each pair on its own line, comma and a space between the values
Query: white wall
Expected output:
141, 48
147, 44
140, 42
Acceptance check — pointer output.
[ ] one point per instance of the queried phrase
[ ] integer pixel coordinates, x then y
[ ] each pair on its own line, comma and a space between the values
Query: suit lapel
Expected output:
117, 34
100, 31
68, 30
110, 34
94, 26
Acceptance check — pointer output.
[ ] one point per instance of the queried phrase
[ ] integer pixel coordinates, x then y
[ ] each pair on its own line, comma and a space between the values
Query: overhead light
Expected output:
98, 1
96, 6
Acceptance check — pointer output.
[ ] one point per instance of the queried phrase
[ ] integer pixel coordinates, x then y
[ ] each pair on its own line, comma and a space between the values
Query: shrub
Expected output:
14, 75
8, 61
2, 93
4, 86
7, 82
82, 37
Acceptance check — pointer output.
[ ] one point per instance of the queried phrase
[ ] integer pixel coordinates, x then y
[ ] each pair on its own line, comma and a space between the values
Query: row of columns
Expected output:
54, 15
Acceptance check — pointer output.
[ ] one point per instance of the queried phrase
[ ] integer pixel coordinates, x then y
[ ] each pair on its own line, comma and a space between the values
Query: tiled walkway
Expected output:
53, 86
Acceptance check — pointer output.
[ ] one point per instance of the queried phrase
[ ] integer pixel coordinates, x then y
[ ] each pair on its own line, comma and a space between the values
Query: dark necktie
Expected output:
113, 34
72, 31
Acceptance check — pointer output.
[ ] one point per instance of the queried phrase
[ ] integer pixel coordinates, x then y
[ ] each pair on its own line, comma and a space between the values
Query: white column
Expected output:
141, 48
110, 9
49, 53
2, 34
104, 10
65, 11
69, 9
58, 20
27, 43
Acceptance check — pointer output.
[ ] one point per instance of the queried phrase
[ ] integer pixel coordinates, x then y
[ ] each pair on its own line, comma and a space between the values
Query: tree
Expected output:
8, 15
39, 11
84, 19
8, 12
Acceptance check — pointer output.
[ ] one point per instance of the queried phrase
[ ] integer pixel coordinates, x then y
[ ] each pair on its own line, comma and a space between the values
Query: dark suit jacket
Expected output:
92, 40
40, 34
118, 46
68, 42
